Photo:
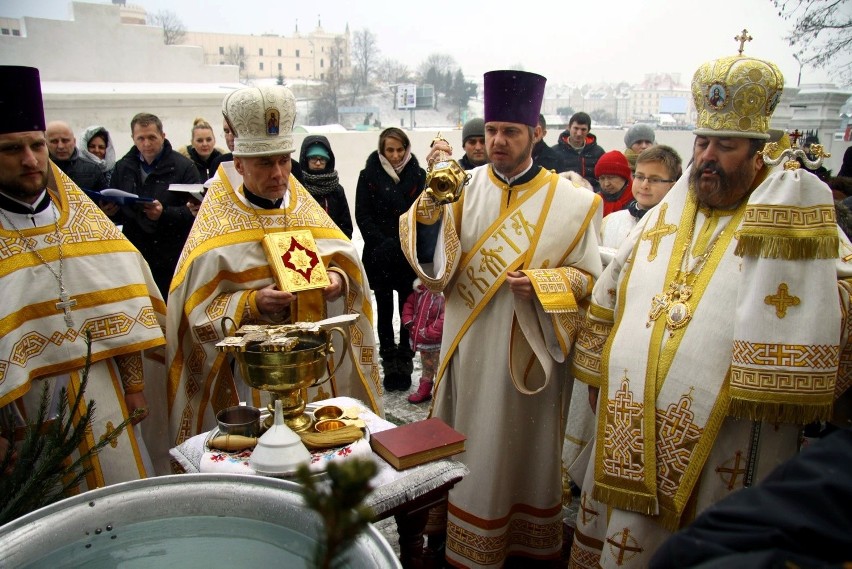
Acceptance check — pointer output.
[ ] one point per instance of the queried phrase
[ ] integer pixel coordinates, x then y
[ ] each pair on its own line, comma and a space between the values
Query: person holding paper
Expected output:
157, 228
224, 273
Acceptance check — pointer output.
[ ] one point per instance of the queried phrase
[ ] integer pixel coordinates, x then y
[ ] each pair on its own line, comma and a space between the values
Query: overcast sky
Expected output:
568, 41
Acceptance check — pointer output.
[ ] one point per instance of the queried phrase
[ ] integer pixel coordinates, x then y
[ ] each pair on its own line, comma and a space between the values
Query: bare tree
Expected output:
235, 54
392, 71
174, 31
821, 34
440, 62
365, 60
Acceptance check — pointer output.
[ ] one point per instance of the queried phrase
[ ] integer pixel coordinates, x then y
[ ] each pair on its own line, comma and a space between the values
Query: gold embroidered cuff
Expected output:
588, 350
251, 304
130, 372
428, 210
558, 289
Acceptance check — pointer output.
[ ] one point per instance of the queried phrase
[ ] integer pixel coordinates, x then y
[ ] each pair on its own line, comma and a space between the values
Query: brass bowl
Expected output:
299, 368
328, 412
329, 425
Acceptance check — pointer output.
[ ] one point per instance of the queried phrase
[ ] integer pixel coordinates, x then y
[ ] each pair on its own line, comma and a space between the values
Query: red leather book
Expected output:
418, 442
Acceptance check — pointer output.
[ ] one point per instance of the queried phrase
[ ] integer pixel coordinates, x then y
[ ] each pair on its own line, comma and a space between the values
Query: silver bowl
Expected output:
190, 520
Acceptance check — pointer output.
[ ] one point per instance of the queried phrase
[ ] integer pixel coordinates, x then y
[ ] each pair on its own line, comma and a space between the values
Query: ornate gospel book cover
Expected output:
295, 261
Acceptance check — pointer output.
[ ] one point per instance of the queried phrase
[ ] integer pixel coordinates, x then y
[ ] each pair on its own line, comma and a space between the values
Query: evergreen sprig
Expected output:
44, 472
341, 506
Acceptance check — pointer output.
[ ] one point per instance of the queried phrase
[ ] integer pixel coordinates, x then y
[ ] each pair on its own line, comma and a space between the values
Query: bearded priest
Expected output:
715, 333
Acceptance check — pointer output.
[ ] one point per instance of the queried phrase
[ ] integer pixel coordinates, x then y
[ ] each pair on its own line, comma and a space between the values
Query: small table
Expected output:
407, 494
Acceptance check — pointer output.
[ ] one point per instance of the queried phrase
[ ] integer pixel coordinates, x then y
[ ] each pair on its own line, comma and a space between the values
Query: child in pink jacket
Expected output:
423, 315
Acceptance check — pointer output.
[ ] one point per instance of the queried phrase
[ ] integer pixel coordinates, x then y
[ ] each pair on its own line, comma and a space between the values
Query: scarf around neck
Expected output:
320, 185
394, 171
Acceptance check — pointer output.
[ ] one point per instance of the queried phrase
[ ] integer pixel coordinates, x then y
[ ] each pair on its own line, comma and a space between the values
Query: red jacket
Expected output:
423, 315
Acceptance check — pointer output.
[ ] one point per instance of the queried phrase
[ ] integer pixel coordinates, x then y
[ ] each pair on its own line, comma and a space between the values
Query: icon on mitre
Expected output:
295, 261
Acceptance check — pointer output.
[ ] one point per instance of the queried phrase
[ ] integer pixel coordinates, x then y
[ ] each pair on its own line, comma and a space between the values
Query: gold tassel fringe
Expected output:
788, 248
773, 412
645, 504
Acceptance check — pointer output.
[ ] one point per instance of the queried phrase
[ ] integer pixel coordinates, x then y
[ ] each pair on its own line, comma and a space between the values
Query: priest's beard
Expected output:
726, 189
509, 167
26, 190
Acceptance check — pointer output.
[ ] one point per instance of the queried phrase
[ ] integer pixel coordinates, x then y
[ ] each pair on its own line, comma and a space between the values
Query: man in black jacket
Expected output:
542, 154
473, 142
578, 149
62, 147
157, 228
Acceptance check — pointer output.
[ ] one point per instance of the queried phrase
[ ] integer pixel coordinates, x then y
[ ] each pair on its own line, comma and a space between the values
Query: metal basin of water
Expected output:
187, 521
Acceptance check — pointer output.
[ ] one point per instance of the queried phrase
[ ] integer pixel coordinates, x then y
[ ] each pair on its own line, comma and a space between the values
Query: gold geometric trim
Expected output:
785, 355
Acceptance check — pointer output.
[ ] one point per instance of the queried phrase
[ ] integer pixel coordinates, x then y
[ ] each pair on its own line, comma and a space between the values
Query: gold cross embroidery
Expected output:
627, 545
782, 300
743, 38
656, 233
735, 471
586, 510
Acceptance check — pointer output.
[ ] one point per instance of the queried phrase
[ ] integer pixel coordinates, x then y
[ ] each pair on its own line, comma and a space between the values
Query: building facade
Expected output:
300, 56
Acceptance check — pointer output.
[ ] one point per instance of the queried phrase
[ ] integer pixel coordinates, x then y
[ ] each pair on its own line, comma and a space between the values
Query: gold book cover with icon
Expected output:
295, 261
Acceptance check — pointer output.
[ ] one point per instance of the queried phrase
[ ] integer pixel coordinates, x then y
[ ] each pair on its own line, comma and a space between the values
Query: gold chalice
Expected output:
286, 360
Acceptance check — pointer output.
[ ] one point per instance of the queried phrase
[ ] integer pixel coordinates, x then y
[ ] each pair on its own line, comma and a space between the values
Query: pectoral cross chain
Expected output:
66, 304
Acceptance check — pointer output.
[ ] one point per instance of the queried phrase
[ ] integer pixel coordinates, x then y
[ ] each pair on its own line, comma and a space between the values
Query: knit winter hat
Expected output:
613, 163
473, 127
637, 132
317, 150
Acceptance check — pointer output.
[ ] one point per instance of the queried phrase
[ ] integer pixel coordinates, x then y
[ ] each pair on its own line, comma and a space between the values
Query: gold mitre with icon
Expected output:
261, 119
735, 96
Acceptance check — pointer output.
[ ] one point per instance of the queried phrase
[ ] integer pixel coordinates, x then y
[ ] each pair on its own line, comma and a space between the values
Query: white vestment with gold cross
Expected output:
222, 263
695, 407
503, 378
115, 298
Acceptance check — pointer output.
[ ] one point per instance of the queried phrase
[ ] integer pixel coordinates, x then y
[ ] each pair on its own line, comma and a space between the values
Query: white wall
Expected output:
96, 47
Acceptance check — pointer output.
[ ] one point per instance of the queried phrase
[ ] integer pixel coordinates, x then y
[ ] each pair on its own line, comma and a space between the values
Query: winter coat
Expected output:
546, 157
161, 241
465, 163
423, 315
85, 174
583, 160
379, 201
325, 186
206, 168
107, 163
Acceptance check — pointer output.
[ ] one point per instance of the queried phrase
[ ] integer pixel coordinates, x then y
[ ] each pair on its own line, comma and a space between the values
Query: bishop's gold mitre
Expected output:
736, 96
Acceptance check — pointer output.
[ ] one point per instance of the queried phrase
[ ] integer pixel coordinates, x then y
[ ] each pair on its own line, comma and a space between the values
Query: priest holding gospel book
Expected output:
224, 271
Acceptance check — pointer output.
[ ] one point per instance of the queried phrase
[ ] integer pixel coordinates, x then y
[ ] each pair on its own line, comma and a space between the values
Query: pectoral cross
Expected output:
65, 304
743, 38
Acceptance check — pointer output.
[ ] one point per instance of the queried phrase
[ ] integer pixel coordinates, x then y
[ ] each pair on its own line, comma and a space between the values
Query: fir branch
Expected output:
44, 472
341, 508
